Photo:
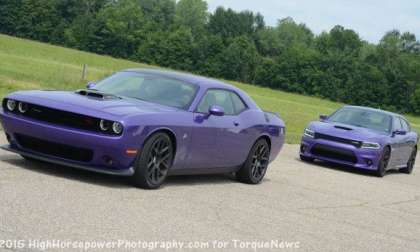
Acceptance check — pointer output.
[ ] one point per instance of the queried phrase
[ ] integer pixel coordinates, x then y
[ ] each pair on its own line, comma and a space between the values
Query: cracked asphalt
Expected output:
323, 207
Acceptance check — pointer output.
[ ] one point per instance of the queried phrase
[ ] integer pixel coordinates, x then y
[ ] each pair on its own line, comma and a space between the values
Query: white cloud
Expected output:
370, 18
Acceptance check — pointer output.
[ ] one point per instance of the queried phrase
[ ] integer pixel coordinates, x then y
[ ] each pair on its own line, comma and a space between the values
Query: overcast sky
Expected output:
370, 18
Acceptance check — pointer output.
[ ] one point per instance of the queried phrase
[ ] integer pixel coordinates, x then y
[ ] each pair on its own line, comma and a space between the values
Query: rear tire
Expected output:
255, 166
383, 163
411, 162
153, 162
306, 159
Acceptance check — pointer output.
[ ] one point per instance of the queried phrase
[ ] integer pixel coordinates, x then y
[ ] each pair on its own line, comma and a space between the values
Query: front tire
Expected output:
255, 166
383, 162
154, 161
411, 162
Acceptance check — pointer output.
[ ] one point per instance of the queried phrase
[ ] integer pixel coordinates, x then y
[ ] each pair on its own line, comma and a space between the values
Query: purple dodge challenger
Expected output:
146, 124
362, 137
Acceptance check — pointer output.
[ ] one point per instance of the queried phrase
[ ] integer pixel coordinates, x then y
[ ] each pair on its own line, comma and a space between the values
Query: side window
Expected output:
217, 97
238, 104
405, 125
397, 123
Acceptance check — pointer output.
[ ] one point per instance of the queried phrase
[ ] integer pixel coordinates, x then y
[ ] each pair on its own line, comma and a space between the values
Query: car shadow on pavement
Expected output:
107, 180
344, 168
66, 172
183, 180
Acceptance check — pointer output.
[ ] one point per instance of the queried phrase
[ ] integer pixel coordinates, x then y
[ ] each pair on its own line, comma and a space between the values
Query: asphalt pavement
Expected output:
304, 207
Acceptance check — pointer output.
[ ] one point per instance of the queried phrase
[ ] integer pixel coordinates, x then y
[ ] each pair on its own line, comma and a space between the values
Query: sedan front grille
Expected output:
355, 143
335, 153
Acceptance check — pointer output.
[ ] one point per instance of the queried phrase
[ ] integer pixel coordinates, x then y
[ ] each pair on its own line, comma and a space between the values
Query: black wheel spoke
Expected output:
165, 165
166, 157
259, 161
150, 164
164, 150
159, 160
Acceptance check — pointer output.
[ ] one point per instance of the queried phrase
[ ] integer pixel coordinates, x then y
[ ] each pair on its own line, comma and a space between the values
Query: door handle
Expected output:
236, 124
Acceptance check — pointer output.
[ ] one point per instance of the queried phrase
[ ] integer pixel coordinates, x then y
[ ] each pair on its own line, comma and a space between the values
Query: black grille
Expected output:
333, 153
54, 149
355, 143
64, 118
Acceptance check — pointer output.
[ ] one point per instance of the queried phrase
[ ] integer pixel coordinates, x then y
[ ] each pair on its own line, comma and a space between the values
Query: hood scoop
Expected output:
342, 127
97, 95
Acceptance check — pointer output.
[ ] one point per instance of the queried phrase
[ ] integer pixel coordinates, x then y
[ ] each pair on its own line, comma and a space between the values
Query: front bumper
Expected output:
104, 148
367, 159
125, 172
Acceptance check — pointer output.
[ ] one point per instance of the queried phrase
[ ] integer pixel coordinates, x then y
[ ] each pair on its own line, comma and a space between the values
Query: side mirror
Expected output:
400, 132
323, 117
216, 110
91, 84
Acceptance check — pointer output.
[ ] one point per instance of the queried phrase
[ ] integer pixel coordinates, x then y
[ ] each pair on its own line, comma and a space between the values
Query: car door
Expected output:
408, 141
204, 135
222, 133
396, 144
232, 139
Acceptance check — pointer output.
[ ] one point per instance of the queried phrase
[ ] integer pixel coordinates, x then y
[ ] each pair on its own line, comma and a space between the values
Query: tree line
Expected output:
184, 35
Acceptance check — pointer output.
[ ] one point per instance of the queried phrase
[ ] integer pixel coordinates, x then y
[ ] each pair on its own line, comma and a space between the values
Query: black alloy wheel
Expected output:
411, 162
153, 163
383, 163
255, 167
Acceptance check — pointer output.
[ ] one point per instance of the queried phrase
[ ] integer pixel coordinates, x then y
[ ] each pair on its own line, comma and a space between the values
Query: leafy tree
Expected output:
230, 24
337, 64
173, 49
208, 55
192, 14
121, 28
239, 60
38, 20
10, 14
159, 14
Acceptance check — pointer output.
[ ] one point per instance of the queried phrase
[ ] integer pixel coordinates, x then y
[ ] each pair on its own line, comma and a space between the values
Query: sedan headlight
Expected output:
309, 133
11, 105
369, 145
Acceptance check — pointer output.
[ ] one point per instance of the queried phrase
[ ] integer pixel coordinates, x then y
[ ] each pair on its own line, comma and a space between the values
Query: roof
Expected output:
373, 109
186, 77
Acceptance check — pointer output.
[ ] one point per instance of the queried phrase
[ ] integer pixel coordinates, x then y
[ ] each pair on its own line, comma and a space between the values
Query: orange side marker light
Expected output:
131, 152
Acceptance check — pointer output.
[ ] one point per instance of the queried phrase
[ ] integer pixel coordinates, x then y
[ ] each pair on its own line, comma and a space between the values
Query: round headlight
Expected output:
11, 105
104, 125
23, 107
117, 127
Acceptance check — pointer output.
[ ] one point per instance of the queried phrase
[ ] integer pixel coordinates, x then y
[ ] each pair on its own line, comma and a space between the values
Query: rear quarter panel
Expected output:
259, 124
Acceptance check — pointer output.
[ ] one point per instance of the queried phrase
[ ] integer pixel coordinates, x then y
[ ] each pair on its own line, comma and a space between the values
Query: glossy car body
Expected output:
203, 143
358, 146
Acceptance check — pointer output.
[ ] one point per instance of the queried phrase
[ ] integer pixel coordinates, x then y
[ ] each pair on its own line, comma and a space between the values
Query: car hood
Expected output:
346, 131
82, 104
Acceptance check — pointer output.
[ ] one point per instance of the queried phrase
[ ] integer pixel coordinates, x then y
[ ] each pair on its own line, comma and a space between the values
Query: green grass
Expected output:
27, 64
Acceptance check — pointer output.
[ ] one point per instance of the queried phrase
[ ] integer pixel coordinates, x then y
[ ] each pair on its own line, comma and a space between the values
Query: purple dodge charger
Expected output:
362, 137
146, 124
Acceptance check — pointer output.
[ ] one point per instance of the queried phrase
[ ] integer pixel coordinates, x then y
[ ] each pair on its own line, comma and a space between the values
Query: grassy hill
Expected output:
27, 64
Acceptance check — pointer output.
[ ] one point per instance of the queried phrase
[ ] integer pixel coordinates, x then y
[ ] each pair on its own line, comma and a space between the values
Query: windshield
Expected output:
150, 88
373, 120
